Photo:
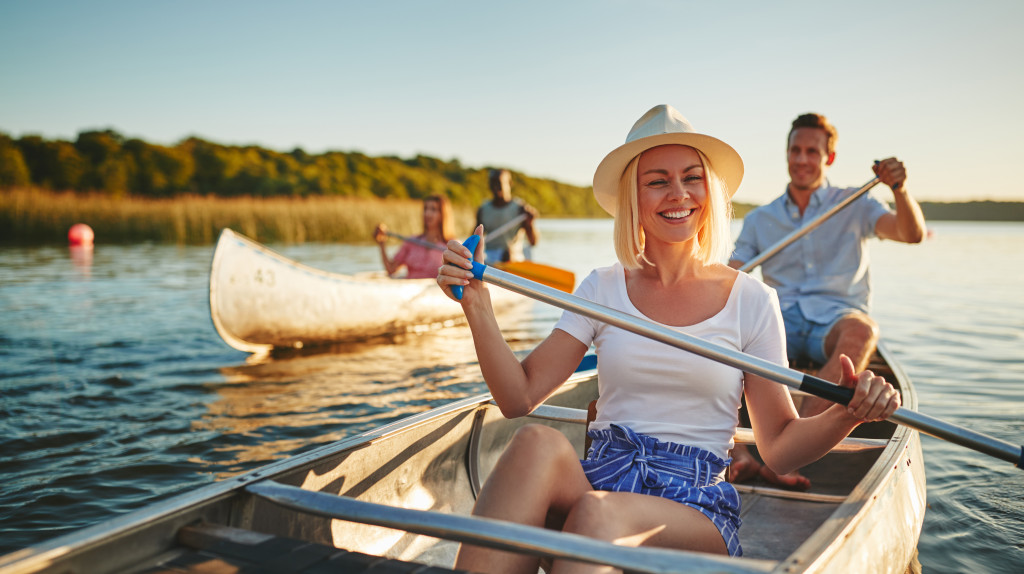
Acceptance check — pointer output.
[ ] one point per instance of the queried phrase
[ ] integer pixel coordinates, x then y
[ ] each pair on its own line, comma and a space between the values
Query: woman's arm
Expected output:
518, 387
380, 235
787, 442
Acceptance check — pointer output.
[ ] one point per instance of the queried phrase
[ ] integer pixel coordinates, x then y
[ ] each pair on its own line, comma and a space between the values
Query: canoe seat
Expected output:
743, 435
206, 548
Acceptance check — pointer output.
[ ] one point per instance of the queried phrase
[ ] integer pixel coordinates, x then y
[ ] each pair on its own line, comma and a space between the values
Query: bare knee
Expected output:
594, 515
538, 444
855, 332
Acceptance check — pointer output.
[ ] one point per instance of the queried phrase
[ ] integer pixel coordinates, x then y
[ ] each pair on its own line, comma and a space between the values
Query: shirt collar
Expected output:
816, 198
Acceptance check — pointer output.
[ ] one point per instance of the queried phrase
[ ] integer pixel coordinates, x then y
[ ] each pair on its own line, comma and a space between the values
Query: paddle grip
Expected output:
895, 187
826, 390
478, 268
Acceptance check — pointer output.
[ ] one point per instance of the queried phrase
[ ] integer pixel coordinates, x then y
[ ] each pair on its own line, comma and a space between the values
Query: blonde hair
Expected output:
713, 236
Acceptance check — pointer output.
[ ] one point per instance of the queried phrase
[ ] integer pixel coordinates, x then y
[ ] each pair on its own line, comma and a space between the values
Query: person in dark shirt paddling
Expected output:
501, 209
823, 279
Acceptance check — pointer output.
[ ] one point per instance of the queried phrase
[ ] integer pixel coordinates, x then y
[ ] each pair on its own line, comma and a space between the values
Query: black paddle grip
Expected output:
826, 390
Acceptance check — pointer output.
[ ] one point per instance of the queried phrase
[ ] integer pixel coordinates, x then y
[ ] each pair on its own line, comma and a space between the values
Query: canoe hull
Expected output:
261, 300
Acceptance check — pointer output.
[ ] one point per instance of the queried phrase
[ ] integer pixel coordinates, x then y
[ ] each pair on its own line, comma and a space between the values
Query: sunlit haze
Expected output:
545, 88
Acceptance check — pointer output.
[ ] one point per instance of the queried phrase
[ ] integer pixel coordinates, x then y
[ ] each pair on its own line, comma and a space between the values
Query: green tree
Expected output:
53, 164
13, 169
109, 169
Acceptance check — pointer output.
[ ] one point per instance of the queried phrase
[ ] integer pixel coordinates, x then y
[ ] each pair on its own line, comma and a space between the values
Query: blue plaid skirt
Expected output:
621, 460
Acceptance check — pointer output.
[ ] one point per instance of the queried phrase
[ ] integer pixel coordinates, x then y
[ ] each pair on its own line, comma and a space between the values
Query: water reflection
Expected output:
81, 258
278, 405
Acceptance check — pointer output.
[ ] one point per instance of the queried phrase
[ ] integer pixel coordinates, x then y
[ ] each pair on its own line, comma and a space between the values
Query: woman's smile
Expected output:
677, 214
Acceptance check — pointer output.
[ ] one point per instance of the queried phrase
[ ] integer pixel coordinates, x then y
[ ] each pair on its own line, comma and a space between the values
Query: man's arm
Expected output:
907, 223
532, 235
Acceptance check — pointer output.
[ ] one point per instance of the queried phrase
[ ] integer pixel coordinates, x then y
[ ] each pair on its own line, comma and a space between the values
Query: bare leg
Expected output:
536, 481
855, 336
631, 519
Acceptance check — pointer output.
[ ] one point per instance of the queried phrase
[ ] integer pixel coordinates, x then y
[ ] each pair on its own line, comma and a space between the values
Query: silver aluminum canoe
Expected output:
406, 490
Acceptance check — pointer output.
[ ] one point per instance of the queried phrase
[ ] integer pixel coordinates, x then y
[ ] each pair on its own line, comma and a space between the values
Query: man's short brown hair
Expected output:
816, 121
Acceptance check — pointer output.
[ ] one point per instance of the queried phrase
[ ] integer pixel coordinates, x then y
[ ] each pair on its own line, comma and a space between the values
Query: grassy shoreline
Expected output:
33, 216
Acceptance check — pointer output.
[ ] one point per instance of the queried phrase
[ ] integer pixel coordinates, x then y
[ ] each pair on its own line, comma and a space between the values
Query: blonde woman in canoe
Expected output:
420, 261
655, 472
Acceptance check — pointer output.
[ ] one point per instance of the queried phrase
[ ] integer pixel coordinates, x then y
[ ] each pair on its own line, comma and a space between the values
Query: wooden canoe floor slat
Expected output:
214, 549
792, 521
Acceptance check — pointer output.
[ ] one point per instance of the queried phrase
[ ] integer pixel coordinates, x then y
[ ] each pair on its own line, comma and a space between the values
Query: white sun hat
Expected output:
663, 125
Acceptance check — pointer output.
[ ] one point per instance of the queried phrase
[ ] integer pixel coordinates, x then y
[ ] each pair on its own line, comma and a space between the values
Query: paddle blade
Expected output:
561, 279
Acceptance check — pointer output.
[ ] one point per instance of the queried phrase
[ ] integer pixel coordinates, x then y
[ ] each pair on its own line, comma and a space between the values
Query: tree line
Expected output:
105, 162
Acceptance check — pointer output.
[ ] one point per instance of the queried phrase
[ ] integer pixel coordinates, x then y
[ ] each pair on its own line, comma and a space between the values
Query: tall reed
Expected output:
31, 216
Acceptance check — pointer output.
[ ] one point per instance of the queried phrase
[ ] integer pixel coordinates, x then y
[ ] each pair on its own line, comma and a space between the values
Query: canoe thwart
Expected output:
743, 435
501, 535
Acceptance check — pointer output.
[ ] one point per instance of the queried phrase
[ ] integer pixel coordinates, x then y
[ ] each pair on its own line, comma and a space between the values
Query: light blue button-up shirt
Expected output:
826, 271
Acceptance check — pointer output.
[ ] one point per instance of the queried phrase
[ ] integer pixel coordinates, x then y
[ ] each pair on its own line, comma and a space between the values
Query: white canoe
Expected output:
404, 492
261, 300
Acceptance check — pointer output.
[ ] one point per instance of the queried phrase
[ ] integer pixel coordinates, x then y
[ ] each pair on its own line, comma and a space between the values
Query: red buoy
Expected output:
80, 234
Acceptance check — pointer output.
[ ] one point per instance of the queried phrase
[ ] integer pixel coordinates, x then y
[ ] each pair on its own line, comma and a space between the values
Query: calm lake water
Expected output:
116, 392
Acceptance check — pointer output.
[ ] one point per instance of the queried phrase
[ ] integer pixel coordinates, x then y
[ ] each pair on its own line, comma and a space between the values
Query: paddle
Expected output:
811, 226
507, 225
561, 279
791, 378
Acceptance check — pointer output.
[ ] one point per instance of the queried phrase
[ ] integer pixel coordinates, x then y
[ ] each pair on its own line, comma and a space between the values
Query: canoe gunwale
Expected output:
829, 540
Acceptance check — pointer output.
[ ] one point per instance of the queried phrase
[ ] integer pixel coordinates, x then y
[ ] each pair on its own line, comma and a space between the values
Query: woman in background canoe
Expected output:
420, 261
655, 472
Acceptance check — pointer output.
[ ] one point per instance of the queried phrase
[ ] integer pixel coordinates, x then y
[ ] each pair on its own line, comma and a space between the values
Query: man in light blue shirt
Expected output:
823, 279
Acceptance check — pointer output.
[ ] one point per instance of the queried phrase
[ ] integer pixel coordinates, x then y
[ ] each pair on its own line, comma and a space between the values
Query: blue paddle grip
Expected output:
478, 268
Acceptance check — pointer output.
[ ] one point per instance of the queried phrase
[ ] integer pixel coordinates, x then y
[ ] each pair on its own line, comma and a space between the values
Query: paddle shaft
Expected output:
497, 231
506, 226
791, 378
804, 230
417, 241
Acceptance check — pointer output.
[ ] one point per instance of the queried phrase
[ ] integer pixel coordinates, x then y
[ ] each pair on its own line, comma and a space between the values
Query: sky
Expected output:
545, 88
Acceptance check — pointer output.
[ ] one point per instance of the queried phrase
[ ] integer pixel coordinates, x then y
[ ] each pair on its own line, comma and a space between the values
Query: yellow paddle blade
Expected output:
561, 279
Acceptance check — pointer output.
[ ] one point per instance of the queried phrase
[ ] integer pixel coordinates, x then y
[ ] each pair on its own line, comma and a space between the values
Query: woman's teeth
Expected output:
676, 213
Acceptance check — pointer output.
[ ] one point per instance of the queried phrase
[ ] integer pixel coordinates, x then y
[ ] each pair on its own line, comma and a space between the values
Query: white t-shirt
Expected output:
669, 393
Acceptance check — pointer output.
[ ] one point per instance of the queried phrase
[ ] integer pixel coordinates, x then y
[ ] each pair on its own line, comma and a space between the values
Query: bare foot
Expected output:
791, 481
744, 466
